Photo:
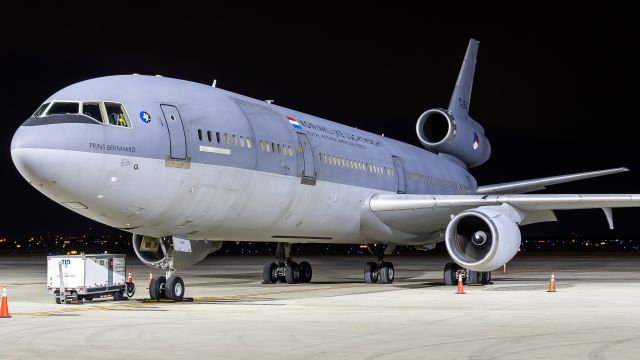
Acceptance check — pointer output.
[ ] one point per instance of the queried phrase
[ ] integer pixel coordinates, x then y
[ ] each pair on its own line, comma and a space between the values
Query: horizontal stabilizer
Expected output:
524, 186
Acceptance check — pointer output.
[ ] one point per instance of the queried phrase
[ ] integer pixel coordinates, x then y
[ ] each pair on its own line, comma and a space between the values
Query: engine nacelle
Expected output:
172, 252
439, 131
485, 238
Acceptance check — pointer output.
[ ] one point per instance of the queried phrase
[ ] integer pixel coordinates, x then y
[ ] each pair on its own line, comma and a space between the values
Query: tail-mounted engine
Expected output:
439, 131
172, 253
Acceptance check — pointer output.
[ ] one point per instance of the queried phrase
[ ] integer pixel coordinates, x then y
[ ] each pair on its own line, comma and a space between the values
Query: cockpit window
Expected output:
92, 110
116, 114
63, 107
41, 109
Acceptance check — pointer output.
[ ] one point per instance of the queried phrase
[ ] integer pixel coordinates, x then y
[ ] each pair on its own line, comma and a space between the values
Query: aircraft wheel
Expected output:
291, 273
305, 271
156, 289
269, 273
450, 273
118, 295
387, 273
57, 295
174, 288
485, 278
370, 273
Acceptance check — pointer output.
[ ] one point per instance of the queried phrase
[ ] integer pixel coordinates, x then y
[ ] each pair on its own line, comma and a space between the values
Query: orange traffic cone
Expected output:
460, 288
552, 283
504, 268
150, 278
129, 278
4, 308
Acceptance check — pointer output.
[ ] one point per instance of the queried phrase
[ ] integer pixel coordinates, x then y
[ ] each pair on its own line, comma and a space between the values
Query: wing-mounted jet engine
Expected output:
452, 131
484, 238
170, 253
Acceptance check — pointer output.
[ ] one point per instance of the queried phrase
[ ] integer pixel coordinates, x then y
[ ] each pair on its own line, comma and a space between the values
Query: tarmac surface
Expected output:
595, 313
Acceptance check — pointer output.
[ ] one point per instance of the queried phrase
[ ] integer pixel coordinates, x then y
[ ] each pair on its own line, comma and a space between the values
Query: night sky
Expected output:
553, 88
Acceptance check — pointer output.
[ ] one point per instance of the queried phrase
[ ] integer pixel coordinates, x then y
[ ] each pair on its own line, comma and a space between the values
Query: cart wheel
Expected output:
57, 295
118, 295
131, 290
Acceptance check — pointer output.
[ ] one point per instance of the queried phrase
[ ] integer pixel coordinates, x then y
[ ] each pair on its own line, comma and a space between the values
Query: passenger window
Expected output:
41, 109
218, 137
209, 135
268, 147
279, 149
61, 108
290, 151
235, 140
261, 145
249, 144
116, 114
200, 134
241, 141
226, 138
92, 110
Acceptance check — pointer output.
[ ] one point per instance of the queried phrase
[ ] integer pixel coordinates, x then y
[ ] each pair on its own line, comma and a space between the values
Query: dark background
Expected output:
554, 88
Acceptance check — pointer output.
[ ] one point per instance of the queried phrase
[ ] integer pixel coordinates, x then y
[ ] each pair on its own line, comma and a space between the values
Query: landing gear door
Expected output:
305, 160
176, 132
402, 185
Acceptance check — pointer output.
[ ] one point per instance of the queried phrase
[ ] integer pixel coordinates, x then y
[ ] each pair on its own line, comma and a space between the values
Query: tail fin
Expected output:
461, 97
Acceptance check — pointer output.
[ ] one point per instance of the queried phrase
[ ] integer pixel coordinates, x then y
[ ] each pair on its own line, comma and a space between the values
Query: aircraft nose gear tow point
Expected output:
285, 269
382, 270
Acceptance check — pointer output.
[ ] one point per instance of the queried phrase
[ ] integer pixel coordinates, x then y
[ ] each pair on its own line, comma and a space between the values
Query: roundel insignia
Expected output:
145, 117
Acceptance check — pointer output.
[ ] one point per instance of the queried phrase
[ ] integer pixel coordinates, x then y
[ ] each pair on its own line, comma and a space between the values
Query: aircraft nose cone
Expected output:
39, 152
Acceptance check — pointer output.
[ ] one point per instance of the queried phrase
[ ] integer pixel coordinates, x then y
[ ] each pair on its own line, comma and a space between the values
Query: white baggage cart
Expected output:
87, 276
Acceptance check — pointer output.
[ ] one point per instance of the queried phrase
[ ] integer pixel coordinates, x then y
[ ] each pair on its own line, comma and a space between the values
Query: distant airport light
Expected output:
100, 196
113, 179
364, 246
269, 101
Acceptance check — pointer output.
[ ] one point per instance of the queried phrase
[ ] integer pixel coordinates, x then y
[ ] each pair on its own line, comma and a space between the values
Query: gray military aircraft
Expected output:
184, 166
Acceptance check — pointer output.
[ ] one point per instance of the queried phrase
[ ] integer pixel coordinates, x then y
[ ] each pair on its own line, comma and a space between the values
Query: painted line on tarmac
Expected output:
138, 305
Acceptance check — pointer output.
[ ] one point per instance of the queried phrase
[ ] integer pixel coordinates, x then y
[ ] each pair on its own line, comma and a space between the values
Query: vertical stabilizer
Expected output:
461, 98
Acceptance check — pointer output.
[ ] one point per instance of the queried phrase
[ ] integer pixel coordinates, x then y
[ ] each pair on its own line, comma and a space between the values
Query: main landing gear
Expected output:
380, 270
285, 269
453, 270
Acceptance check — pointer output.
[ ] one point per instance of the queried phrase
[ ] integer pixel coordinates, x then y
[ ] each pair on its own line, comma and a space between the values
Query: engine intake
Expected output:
172, 252
483, 239
439, 131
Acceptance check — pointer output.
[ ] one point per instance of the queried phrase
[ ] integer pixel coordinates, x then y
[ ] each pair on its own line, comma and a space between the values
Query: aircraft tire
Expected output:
291, 273
450, 270
174, 288
387, 273
305, 271
370, 273
269, 275
156, 289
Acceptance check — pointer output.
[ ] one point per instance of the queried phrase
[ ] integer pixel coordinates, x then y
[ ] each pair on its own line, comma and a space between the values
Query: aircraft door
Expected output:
402, 185
176, 132
305, 160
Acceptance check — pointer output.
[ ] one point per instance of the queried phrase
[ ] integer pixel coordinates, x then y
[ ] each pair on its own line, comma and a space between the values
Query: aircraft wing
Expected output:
395, 202
407, 213
518, 187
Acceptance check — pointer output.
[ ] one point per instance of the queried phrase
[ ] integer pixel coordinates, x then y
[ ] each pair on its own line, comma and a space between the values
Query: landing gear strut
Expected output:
285, 269
453, 270
381, 270
169, 287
